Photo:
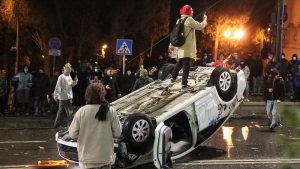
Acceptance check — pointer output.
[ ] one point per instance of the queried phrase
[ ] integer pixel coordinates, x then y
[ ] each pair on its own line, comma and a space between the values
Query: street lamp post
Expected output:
17, 47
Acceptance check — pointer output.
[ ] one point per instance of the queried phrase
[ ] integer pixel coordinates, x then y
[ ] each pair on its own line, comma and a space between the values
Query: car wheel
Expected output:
138, 133
225, 83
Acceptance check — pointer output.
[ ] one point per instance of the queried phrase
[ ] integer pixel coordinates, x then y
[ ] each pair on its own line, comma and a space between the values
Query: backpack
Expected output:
177, 38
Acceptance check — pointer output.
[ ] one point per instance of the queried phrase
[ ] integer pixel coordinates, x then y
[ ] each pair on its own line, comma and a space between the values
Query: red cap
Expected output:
186, 10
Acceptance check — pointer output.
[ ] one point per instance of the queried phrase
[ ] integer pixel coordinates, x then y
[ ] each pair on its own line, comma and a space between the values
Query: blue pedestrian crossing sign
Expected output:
124, 47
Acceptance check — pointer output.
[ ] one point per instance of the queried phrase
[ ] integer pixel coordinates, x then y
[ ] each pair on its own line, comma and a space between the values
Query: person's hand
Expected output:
204, 17
119, 95
55, 98
107, 87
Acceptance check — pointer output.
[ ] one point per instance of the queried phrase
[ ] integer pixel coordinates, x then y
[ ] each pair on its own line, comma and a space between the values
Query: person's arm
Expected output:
75, 126
30, 81
247, 72
116, 126
16, 77
57, 89
75, 81
195, 24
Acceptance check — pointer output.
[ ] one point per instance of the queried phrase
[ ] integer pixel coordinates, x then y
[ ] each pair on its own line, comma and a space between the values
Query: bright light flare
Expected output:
53, 163
227, 33
104, 46
238, 34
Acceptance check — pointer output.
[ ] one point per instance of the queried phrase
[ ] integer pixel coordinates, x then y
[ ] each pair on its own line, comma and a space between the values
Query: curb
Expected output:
263, 103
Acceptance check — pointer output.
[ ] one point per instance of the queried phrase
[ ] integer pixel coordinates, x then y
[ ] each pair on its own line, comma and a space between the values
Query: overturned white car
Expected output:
161, 121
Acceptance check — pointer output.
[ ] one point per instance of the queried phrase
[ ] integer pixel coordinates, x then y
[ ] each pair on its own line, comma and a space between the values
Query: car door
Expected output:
162, 147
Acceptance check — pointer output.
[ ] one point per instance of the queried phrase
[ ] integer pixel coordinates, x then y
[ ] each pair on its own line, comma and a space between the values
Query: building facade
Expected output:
291, 40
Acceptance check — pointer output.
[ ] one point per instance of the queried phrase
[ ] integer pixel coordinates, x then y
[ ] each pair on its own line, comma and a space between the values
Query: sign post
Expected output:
123, 48
54, 45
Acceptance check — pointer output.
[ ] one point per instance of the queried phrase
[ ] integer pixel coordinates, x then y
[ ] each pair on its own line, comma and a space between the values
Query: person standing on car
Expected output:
63, 93
187, 52
95, 126
274, 94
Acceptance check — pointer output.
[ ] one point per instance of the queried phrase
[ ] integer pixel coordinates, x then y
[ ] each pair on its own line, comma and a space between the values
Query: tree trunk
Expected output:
216, 46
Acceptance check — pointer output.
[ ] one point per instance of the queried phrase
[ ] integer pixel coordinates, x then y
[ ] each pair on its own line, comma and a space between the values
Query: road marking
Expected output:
21, 142
205, 162
15, 166
241, 162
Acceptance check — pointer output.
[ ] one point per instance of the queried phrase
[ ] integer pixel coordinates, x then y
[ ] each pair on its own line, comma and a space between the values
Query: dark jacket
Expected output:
274, 89
112, 82
141, 82
272, 66
127, 83
285, 68
41, 85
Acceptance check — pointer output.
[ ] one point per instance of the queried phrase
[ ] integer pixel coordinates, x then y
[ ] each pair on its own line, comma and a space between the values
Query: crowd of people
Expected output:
35, 93
34, 90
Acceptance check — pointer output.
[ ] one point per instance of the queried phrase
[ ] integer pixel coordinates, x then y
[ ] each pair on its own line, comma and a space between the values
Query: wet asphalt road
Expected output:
243, 142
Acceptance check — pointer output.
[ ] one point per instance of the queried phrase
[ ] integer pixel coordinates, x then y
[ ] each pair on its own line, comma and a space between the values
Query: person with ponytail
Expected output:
95, 126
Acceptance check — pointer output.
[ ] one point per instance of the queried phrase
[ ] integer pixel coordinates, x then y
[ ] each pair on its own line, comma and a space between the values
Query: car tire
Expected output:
138, 134
225, 83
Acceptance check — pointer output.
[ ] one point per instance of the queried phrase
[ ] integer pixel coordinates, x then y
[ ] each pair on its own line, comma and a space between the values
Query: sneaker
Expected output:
273, 127
185, 88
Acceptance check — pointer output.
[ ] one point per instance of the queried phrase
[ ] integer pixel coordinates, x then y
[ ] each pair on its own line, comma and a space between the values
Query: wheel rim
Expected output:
141, 130
225, 81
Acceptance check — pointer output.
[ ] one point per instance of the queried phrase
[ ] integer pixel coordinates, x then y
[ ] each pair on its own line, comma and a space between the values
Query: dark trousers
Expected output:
2, 104
183, 63
40, 103
64, 108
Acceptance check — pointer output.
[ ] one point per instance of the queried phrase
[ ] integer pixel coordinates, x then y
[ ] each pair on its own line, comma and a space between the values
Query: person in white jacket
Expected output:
63, 93
95, 126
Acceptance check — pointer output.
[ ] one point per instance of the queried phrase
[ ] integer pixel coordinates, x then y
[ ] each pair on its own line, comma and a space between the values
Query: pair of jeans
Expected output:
183, 63
257, 84
65, 106
272, 112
